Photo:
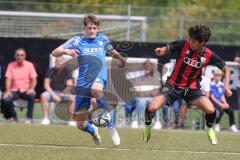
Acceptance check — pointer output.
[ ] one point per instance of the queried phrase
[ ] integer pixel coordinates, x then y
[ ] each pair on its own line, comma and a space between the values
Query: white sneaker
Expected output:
72, 123
45, 121
96, 137
28, 121
134, 124
157, 125
217, 127
115, 136
233, 128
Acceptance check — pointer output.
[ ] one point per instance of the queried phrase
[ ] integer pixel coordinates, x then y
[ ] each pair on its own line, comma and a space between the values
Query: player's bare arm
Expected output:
227, 74
59, 51
122, 60
162, 51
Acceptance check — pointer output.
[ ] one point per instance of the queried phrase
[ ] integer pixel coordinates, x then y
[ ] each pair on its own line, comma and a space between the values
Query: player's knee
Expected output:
155, 105
151, 109
211, 110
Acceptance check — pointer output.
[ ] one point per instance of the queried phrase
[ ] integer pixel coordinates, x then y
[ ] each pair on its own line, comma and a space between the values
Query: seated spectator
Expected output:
219, 101
20, 83
146, 86
175, 117
58, 83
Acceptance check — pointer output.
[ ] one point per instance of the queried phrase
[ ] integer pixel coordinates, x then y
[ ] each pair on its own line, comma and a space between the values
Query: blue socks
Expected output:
89, 128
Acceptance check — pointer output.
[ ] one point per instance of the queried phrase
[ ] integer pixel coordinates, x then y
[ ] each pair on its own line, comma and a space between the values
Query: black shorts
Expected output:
171, 93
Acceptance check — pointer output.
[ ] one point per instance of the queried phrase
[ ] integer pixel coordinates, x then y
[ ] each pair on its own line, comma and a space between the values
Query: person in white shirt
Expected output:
146, 84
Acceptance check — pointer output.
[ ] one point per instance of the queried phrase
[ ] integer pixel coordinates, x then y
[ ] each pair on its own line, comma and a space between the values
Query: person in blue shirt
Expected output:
219, 101
90, 51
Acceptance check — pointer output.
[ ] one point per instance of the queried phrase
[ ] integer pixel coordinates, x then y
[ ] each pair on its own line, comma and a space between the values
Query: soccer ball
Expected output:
100, 117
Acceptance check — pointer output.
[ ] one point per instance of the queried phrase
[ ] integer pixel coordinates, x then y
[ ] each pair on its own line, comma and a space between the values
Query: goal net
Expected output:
63, 26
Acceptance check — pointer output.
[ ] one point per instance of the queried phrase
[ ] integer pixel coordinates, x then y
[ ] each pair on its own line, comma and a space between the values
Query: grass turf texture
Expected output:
22, 142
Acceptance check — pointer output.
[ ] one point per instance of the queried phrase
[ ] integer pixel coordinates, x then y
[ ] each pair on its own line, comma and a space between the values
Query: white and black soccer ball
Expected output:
100, 117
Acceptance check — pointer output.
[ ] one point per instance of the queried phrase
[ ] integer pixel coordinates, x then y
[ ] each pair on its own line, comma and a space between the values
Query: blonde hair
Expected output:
217, 72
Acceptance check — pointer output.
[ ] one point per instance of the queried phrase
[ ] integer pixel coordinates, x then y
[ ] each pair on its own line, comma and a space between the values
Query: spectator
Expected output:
219, 101
237, 59
20, 83
57, 83
146, 86
167, 117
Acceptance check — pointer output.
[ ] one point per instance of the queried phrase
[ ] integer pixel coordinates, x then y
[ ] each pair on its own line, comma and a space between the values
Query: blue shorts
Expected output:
83, 95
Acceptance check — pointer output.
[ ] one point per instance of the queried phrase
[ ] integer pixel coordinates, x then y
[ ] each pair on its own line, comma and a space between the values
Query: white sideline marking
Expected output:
117, 149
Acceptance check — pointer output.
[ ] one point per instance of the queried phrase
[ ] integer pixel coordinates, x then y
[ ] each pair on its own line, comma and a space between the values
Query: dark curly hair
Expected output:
200, 32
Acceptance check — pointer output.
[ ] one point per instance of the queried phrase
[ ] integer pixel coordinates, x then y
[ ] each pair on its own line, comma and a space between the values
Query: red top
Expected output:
188, 69
21, 75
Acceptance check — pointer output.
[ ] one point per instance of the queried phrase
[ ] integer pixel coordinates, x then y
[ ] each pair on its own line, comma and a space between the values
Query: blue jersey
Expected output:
91, 57
217, 90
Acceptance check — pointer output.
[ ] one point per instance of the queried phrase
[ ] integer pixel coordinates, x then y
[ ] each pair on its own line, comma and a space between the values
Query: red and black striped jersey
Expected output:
188, 68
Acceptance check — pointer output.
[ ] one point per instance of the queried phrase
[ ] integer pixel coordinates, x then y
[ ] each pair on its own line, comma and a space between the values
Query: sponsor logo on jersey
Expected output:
92, 50
193, 62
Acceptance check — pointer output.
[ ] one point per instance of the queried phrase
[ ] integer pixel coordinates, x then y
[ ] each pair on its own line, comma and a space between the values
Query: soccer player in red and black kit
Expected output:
184, 81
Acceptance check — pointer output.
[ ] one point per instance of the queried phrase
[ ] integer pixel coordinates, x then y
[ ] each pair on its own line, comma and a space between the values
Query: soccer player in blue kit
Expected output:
90, 50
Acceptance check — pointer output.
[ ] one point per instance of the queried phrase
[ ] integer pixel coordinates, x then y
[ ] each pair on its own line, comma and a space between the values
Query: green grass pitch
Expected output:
35, 142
